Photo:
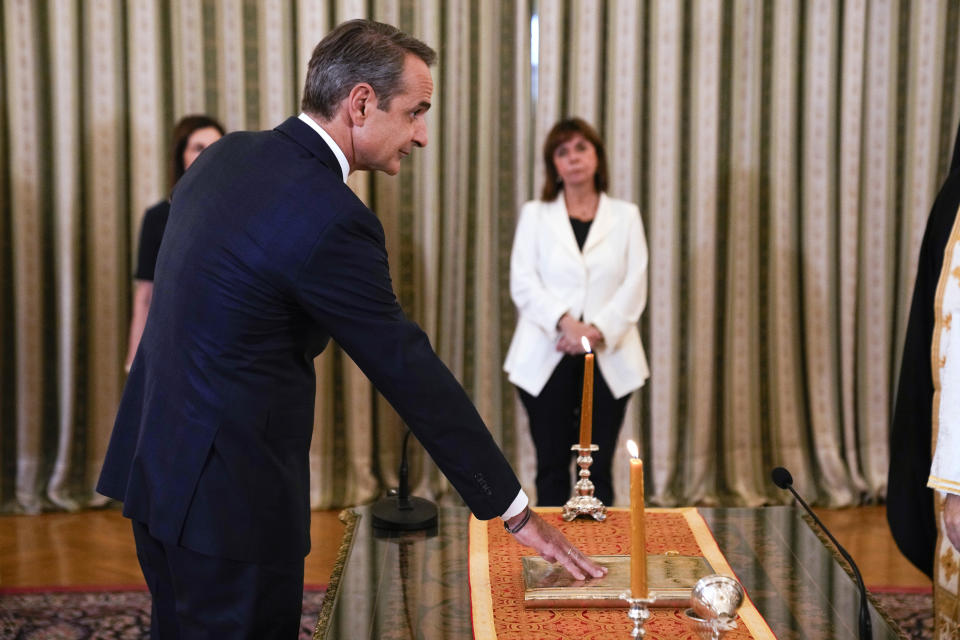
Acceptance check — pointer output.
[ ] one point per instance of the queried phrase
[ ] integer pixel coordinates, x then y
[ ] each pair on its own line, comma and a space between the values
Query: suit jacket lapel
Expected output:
301, 133
603, 223
559, 223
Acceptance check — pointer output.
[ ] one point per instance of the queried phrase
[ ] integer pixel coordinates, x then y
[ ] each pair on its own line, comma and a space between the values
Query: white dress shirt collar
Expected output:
337, 151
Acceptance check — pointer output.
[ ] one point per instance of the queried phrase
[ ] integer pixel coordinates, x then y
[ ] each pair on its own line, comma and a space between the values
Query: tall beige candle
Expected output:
586, 405
638, 532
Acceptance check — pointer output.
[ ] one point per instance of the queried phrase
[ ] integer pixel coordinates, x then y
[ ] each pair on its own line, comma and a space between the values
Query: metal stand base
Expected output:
583, 502
411, 514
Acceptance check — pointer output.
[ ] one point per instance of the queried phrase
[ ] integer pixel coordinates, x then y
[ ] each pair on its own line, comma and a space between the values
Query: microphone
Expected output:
401, 511
782, 478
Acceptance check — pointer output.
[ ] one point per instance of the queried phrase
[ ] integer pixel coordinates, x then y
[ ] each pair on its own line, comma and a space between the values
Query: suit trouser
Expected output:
197, 596
555, 425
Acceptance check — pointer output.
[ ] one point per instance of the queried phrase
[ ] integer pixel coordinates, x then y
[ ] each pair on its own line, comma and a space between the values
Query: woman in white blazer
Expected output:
578, 268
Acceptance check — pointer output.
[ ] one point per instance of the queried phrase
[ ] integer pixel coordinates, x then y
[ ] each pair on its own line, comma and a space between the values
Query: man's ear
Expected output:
360, 101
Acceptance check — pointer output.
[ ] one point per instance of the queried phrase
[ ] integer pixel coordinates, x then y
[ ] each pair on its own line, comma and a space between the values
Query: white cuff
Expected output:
943, 484
519, 504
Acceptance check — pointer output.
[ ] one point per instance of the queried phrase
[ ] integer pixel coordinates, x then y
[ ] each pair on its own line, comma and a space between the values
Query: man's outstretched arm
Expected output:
552, 545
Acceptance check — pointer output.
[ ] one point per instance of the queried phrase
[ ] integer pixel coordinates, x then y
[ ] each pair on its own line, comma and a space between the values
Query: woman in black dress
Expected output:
191, 135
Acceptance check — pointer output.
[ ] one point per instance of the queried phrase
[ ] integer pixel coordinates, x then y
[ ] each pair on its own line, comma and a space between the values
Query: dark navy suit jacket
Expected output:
266, 256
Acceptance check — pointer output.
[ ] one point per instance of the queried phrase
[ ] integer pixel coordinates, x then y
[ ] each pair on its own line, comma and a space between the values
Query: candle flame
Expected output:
632, 448
585, 343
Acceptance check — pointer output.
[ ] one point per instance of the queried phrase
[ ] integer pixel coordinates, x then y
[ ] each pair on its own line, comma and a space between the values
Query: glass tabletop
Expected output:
415, 586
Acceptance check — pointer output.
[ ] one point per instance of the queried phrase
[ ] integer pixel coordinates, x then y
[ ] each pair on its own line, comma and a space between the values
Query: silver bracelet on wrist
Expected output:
520, 525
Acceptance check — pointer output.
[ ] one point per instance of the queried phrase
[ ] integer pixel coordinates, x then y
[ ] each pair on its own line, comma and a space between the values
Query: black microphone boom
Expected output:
782, 478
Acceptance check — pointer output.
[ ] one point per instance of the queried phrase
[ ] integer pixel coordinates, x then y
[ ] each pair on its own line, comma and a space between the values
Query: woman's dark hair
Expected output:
181, 135
560, 133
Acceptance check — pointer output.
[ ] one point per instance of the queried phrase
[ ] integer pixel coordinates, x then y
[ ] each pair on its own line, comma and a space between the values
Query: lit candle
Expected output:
638, 534
586, 405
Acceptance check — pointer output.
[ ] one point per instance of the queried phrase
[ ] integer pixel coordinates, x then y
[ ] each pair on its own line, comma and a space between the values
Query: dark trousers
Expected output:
197, 596
555, 425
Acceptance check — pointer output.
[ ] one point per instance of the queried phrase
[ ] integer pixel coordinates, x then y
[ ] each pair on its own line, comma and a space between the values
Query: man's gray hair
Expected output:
354, 52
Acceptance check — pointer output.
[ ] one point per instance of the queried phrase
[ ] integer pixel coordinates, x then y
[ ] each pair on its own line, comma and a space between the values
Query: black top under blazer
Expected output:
267, 255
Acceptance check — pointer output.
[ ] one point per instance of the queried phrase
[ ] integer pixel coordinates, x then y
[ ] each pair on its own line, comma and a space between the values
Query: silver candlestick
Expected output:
639, 612
583, 502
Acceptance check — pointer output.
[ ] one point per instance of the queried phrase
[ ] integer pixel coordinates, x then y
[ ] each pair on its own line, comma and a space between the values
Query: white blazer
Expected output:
605, 284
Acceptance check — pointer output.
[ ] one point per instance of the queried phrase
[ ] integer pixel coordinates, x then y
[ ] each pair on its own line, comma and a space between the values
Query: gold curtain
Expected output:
784, 156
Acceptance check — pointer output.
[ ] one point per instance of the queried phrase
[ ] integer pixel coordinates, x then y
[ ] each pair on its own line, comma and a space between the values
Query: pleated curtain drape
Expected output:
784, 156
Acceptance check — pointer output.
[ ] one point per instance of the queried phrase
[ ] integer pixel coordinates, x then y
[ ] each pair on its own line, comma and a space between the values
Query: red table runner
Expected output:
496, 580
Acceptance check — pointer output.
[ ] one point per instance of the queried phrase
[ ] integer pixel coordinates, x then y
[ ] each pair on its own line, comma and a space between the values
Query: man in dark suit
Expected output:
266, 256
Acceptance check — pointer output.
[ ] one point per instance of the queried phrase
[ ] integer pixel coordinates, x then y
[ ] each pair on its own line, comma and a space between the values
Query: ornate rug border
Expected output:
349, 518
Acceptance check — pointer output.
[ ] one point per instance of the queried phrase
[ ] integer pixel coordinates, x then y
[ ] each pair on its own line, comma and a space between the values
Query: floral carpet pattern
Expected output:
912, 611
100, 615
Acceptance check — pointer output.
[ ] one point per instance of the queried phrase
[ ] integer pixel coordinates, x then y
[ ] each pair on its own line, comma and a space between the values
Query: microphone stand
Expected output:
783, 479
403, 512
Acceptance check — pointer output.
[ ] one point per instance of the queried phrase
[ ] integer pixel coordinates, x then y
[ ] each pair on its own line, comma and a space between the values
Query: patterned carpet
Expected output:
99, 615
912, 611
125, 615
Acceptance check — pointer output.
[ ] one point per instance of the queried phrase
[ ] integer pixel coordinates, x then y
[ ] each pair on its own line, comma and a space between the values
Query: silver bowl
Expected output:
716, 596
711, 629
